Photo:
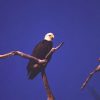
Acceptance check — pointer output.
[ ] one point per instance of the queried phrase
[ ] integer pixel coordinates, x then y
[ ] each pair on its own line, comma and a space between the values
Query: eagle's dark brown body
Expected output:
40, 51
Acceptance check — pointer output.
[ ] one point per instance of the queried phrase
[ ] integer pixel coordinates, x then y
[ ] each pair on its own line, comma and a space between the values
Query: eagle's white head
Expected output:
49, 37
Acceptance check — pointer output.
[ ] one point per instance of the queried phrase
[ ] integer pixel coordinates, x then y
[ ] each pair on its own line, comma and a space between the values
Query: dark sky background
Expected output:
23, 23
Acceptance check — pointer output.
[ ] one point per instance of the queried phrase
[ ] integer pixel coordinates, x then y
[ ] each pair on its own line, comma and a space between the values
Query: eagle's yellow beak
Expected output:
52, 37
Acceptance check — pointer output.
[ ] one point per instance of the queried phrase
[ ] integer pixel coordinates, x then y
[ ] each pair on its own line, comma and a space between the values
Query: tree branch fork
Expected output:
27, 56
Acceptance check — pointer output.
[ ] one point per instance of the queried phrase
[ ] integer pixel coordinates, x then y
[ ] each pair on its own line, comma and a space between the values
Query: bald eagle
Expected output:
40, 51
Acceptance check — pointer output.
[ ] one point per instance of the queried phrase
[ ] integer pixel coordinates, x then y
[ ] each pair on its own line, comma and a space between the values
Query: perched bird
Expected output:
40, 51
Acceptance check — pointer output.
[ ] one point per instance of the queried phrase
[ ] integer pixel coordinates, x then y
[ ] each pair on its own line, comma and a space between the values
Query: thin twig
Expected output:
87, 79
54, 49
27, 56
7, 54
90, 76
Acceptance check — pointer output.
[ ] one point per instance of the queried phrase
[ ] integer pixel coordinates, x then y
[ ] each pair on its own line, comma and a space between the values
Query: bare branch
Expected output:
87, 80
97, 68
46, 85
59, 45
7, 54
54, 49
90, 76
27, 56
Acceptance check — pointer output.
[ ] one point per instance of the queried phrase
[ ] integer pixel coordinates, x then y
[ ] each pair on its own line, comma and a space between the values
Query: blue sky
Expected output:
23, 23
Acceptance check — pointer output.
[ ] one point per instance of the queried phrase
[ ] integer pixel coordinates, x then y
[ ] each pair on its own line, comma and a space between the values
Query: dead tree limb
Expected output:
90, 76
27, 56
12, 53
47, 87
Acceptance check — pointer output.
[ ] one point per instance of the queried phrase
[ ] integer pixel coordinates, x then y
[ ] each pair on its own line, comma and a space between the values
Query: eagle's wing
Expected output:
40, 51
